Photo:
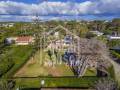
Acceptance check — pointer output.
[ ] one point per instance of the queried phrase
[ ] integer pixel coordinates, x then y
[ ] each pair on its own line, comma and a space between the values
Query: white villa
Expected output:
97, 33
113, 37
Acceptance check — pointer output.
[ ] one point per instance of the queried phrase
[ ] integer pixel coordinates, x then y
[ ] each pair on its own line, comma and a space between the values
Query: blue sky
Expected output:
25, 10
36, 1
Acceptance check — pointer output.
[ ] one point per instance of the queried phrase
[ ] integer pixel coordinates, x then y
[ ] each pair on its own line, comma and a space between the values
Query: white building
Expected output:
7, 25
56, 34
97, 33
113, 37
10, 40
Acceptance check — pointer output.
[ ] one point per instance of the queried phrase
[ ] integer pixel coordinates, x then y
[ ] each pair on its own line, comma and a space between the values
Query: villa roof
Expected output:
23, 38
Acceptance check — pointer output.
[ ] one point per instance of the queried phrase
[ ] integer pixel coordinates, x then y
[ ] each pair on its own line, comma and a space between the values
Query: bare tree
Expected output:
89, 52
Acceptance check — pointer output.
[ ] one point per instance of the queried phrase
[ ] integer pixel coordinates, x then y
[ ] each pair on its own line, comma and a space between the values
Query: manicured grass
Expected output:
115, 53
102, 38
90, 72
111, 72
19, 54
84, 82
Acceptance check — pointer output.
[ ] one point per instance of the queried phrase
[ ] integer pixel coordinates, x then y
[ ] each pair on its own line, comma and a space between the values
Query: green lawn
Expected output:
116, 54
102, 38
90, 72
36, 67
19, 54
56, 82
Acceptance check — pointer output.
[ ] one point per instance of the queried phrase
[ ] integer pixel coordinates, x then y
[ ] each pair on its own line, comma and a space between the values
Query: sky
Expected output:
26, 10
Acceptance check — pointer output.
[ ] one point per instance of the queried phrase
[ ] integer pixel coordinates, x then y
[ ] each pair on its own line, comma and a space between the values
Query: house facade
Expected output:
24, 40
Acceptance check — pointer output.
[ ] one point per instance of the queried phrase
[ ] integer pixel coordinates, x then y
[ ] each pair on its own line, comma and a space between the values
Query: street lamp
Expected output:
42, 83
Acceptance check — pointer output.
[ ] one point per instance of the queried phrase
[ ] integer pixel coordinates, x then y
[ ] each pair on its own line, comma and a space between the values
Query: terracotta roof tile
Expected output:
23, 38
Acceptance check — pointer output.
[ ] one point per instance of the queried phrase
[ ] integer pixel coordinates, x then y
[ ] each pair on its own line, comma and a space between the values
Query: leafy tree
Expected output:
81, 30
90, 35
113, 43
7, 85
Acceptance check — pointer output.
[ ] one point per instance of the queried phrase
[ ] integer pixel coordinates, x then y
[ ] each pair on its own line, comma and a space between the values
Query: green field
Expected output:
90, 72
19, 55
84, 82
36, 67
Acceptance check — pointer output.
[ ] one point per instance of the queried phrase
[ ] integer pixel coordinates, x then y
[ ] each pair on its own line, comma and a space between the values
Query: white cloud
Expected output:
68, 8
62, 8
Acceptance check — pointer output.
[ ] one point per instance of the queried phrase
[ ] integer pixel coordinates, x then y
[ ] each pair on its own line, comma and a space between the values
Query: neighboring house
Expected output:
113, 37
11, 25
10, 40
58, 44
7, 25
97, 33
68, 39
56, 34
24, 40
